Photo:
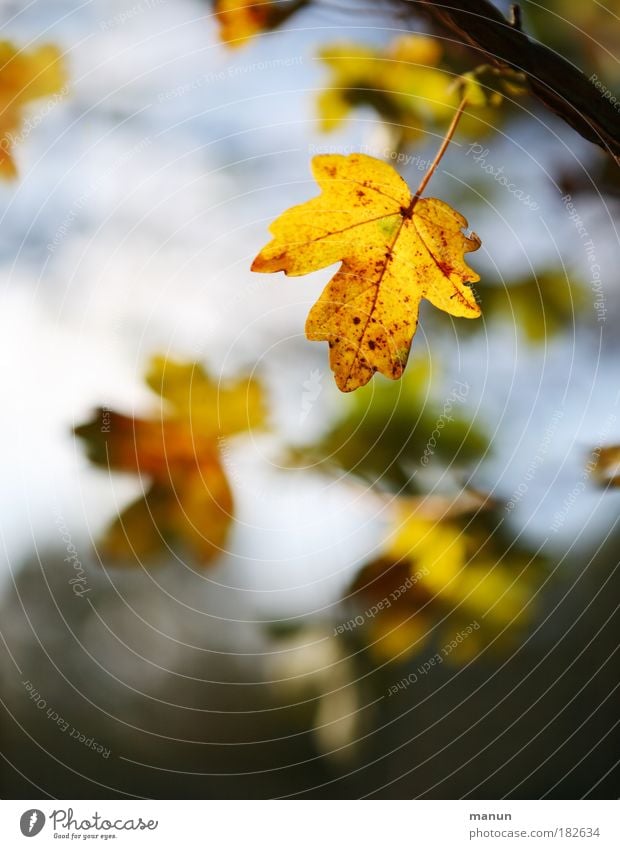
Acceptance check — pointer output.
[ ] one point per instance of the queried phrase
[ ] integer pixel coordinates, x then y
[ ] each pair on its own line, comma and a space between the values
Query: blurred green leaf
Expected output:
391, 429
540, 306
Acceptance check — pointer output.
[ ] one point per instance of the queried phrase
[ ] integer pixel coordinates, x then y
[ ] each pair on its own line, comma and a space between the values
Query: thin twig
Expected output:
446, 141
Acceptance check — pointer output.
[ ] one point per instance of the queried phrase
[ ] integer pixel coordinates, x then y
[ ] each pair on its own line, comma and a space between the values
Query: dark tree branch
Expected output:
552, 79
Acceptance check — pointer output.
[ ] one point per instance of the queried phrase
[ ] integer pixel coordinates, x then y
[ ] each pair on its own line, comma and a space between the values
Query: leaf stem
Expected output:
446, 141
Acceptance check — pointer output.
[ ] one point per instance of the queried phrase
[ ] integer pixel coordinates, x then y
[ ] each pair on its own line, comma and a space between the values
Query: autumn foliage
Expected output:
396, 248
25, 75
176, 451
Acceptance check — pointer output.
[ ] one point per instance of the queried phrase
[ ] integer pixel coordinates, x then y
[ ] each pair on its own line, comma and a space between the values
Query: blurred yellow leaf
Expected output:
187, 497
437, 547
472, 90
607, 469
403, 83
215, 409
395, 248
417, 49
241, 20
442, 579
487, 85
24, 76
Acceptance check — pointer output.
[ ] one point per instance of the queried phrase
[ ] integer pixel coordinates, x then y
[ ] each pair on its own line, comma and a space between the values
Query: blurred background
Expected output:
234, 581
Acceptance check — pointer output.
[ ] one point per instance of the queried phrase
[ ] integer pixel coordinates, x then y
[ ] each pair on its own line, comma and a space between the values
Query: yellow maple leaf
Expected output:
187, 497
24, 76
395, 249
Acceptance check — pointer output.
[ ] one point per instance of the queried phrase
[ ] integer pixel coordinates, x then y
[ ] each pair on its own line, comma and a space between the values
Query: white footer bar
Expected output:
310, 824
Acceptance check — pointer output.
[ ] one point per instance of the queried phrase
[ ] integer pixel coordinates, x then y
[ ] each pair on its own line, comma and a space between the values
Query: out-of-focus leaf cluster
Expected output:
410, 91
25, 75
241, 20
539, 305
187, 502
389, 431
448, 581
